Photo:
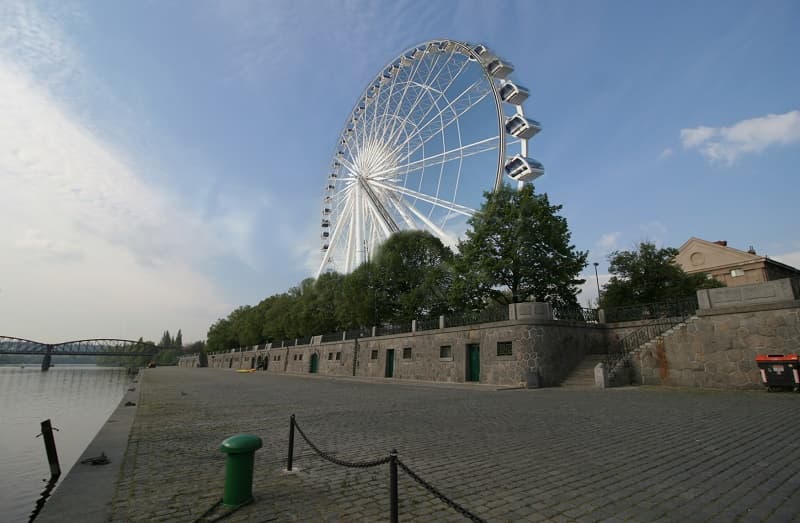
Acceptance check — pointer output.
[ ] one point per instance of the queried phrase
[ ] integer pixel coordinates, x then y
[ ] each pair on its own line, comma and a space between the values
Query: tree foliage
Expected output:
413, 271
518, 250
649, 274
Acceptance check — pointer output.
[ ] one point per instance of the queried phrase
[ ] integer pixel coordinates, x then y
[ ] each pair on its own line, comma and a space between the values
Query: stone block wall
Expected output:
543, 352
718, 348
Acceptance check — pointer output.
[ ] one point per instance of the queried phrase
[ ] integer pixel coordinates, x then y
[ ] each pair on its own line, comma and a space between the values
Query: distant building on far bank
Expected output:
730, 266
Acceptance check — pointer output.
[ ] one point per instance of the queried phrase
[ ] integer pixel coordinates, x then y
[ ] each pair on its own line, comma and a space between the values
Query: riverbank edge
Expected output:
86, 492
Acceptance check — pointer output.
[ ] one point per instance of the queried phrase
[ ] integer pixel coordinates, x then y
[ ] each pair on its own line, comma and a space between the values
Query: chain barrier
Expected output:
444, 499
349, 464
394, 463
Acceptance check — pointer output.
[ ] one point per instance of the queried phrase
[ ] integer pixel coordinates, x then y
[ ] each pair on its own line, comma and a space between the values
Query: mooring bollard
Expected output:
393, 502
291, 444
241, 450
50, 448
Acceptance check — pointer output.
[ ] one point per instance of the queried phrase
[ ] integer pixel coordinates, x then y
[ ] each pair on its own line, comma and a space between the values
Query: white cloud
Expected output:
789, 258
587, 294
90, 249
608, 241
666, 153
726, 144
696, 136
653, 232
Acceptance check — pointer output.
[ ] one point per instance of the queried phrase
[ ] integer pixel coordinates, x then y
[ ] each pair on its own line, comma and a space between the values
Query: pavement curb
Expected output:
85, 493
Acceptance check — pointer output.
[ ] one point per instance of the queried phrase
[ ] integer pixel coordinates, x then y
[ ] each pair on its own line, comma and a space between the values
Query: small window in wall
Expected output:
504, 348
330, 355
300, 358
338, 355
407, 353
373, 355
735, 273
295, 357
446, 352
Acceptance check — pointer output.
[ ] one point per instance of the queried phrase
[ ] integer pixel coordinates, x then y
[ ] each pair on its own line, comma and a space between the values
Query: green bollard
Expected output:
241, 450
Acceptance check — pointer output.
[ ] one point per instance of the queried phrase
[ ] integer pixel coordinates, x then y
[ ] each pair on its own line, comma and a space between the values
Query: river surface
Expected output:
77, 398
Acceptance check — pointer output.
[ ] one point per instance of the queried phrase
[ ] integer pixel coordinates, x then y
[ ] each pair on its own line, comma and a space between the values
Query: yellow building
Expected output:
730, 266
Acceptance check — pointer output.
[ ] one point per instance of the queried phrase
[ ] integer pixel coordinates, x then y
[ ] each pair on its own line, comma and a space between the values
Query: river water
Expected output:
77, 398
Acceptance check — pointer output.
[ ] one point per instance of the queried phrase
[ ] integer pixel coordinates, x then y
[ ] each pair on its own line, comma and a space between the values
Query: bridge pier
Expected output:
47, 358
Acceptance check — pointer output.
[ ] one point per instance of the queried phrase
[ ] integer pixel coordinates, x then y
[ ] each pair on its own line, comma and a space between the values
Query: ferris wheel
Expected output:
436, 128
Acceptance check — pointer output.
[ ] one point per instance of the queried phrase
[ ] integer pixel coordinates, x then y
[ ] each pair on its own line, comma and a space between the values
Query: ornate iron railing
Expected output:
651, 311
332, 336
389, 328
363, 332
428, 324
575, 313
619, 356
488, 315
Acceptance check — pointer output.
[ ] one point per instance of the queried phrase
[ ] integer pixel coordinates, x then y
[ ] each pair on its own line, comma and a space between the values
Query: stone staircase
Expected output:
666, 333
582, 376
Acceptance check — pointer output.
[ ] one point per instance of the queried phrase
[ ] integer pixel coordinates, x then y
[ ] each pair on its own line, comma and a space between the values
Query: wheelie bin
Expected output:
779, 371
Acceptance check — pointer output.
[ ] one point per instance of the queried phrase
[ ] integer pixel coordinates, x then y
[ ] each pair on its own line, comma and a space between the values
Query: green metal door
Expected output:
389, 363
473, 362
314, 363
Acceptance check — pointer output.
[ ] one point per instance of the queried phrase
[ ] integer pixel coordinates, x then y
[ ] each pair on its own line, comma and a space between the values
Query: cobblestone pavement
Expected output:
634, 454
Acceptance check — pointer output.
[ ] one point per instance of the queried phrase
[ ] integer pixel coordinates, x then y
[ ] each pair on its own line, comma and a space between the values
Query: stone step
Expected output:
583, 375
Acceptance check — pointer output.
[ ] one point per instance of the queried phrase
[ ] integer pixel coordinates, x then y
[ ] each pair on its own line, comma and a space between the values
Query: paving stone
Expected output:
638, 454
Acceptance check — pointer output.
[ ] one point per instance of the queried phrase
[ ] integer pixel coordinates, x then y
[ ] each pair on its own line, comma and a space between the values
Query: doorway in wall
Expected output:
389, 363
473, 362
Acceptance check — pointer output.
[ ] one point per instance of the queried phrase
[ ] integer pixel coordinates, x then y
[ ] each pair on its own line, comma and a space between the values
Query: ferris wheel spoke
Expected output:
481, 146
458, 107
423, 89
427, 198
438, 231
333, 240
375, 204
397, 202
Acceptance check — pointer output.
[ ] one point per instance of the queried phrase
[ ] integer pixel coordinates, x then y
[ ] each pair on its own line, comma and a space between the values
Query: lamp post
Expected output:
597, 281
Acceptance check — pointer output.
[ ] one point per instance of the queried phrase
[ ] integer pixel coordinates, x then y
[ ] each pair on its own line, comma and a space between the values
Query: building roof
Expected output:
697, 255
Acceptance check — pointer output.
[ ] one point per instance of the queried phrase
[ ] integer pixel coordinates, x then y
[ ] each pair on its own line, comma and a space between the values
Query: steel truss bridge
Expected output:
92, 347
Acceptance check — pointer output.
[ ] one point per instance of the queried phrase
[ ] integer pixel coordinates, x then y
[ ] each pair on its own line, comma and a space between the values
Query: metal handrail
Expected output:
642, 335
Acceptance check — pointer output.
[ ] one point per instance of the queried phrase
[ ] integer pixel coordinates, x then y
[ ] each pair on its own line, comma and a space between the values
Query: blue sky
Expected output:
163, 162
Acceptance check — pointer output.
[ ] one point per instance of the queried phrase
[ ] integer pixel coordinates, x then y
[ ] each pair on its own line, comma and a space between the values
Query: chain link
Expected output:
447, 501
374, 463
353, 464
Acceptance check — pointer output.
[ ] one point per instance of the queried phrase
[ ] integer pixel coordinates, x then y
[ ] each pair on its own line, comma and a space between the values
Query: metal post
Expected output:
393, 516
597, 281
291, 443
50, 448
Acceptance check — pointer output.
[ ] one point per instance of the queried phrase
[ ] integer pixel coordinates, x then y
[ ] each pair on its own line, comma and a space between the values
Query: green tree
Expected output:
166, 340
178, 341
355, 306
279, 320
320, 304
221, 336
518, 250
649, 275
411, 276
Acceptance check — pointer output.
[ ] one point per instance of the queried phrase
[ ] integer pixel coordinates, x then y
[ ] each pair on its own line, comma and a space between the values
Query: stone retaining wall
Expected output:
543, 353
717, 349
